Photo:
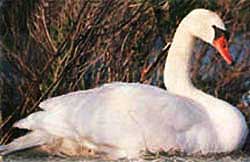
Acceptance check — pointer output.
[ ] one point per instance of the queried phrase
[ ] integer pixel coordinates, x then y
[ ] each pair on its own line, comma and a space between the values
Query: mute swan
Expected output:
121, 119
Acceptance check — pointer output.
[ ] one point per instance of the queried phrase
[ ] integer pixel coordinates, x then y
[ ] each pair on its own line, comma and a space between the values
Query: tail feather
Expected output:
30, 140
31, 122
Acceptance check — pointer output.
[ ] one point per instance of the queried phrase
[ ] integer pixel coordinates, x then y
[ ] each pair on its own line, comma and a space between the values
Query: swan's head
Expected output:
209, 27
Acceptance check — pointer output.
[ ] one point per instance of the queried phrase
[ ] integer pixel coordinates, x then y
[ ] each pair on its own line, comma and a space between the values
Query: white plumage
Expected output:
122, 119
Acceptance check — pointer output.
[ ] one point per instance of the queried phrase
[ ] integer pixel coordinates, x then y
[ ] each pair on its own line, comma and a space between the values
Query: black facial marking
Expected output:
220, 32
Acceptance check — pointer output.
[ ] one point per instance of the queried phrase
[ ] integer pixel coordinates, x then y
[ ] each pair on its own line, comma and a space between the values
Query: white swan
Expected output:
122, 119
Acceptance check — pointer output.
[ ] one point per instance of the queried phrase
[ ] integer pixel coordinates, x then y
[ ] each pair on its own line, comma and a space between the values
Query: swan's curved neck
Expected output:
177, 81
176, 73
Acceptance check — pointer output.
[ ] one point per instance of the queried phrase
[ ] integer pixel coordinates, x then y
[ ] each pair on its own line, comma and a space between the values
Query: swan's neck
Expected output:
228, 121
176, 74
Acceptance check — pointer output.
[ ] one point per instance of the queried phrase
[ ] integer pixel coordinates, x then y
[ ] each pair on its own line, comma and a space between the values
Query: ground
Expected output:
31, 156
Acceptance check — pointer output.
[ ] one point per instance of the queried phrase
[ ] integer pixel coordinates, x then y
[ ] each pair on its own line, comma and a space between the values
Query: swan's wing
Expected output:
126, 115
62, 112
135, 113
68, 100
73, 99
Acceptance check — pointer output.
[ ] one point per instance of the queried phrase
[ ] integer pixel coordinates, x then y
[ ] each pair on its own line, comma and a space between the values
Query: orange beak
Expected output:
221, 45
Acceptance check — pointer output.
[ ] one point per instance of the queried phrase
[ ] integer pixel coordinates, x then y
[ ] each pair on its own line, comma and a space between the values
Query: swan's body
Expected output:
122, 119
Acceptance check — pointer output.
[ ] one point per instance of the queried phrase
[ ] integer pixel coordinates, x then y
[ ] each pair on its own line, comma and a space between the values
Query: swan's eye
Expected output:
220, 32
